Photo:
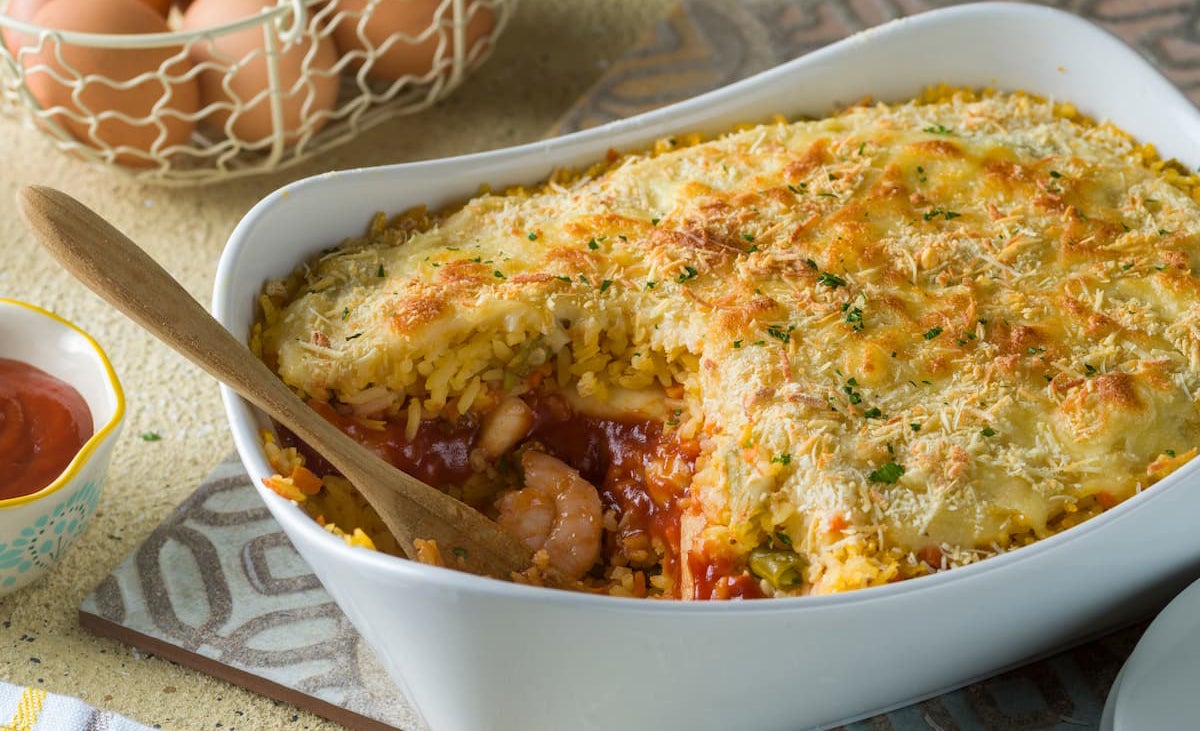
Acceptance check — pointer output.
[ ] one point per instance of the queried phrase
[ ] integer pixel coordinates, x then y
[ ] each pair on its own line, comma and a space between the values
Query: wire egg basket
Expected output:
253, 96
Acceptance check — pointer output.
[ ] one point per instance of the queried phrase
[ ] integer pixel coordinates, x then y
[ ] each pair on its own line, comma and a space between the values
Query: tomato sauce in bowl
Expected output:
43, 423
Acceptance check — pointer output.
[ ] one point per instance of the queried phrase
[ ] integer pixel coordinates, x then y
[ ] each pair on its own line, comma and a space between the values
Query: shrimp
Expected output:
506, 425
557, 511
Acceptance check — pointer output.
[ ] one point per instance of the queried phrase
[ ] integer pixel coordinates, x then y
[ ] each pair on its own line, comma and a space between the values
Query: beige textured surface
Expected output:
551, 53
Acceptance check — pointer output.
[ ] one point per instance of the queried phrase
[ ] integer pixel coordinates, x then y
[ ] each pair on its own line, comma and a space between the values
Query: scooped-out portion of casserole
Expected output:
801, 358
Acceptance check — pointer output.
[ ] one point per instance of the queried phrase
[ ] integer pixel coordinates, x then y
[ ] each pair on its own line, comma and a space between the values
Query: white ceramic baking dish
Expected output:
474, 654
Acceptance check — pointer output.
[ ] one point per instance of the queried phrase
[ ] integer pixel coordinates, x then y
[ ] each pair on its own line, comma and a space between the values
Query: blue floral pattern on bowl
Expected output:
40, 545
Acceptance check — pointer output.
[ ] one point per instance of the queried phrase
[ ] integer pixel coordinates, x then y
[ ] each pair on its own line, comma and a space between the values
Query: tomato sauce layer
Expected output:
719, 577
640, 472
438, 455
43, 423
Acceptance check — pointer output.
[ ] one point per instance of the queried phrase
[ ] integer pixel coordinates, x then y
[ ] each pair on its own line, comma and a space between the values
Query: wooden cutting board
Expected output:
218, 587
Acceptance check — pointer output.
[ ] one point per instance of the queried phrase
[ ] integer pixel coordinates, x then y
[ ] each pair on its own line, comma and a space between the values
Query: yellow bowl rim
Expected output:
103, 433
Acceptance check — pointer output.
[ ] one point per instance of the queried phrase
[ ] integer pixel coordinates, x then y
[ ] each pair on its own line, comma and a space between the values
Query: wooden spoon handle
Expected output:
115, 268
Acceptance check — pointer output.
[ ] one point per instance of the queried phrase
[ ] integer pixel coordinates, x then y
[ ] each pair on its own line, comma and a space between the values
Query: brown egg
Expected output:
308, 87
162, 7
26, 9
20, 10
89, 112
399, 20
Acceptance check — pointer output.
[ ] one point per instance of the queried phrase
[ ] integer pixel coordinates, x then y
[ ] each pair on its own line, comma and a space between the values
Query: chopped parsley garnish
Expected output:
935, 212
461, 553
345, 312
832, 281
988, 431
583, 278
784, 459
939, 129
853, 396
1169, 452
854, 318
1033, 350
654, 221
737, 344
796, 190
605, 285
889, 473
777, 332
566, 279
593, 245
651, 284
355, 335
783, 538
873, 413
498, 274
532, 235
748, 237
379, 272
752, 249
914, 426
1055, 174
932, 333
811, 264
153, 436
689, 272
1089, 369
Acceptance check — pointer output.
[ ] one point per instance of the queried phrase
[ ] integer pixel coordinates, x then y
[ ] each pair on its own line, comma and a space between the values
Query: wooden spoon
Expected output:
115, 268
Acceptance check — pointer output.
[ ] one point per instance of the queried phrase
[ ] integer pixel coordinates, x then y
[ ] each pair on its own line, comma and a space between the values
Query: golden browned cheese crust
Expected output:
911, 336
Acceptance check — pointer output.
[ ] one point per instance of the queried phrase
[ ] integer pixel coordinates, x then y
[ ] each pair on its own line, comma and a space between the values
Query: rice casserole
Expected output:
803, 357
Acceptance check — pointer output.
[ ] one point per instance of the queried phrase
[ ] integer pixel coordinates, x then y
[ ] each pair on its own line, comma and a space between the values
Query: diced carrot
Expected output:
931, 555
639, 583
837, 523
1106, 500
675, 390
305, 481
284, 488
535, 378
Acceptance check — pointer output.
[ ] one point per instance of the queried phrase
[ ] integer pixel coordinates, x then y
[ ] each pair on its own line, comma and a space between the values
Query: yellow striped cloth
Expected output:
33, 709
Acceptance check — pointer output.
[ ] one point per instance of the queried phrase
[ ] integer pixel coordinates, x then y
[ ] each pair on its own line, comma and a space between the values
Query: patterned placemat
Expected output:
703, 44
218, 587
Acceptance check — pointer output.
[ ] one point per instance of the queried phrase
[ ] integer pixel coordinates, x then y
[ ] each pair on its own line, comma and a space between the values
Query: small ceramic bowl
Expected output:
37, 529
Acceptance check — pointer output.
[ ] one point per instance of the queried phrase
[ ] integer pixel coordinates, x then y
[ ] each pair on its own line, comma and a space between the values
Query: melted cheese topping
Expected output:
910, 336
